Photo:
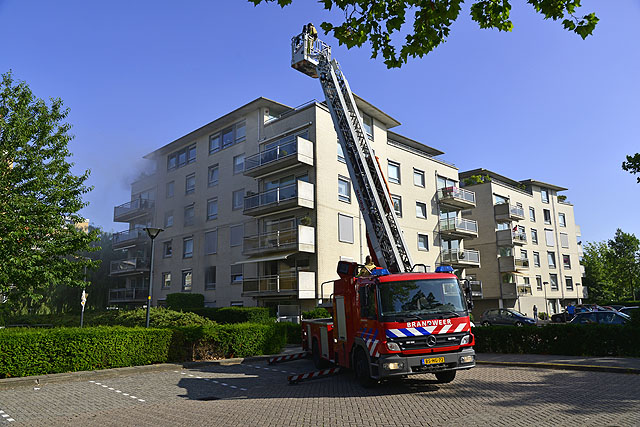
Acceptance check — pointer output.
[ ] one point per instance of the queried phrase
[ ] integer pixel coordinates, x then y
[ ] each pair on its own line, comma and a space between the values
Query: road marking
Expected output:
131, 396
6, 416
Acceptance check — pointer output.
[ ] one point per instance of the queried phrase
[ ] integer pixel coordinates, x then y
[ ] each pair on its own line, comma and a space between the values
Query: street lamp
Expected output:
153, 233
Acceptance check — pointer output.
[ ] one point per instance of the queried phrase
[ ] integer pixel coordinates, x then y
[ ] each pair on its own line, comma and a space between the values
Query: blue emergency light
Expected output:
379, 272
444, 269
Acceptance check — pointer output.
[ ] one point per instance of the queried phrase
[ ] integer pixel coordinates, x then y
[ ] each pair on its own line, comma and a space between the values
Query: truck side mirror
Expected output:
467, 293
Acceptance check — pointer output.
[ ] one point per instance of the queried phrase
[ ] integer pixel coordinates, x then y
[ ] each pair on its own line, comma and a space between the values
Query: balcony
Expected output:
457, 198
301, 284
510, 264
129, 211
510, 238
298, 239
506, 212
461, 258
297, 195
128, 266
459, 227
128, 238
283, 156
128, 295
509, 290
523, 289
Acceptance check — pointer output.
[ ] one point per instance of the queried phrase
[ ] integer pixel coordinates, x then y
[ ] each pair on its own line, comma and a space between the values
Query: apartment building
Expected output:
257, 208
530, 244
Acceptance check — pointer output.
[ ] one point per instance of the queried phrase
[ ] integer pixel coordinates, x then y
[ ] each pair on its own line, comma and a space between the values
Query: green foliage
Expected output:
476, 179
564, 339
316, 313
235, 314
292, 332
236, 340
184, 301
379, 21
46, 351
543, 316
40, 199
632, 165
562, 198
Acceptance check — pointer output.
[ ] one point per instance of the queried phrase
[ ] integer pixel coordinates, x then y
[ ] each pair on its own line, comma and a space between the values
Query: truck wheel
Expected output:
318, 361
361, 365
445, 377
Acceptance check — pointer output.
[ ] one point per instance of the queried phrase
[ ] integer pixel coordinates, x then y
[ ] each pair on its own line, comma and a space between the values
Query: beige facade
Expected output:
257, 207
530, 244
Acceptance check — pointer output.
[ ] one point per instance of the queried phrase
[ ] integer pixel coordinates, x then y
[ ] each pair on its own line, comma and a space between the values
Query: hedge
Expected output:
562, 339
226, 315
184, 301
316, 313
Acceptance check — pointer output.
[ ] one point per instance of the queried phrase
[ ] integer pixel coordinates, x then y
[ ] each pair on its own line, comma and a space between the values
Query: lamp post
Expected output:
546, 302
153, 233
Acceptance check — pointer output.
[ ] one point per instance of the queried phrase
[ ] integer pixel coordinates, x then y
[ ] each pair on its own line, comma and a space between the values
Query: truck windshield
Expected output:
420, 299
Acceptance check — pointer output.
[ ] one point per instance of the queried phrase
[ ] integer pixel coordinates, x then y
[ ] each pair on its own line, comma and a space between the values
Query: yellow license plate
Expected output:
432, 360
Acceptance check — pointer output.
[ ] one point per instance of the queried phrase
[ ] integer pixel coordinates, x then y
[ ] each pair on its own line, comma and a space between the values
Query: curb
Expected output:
564, 366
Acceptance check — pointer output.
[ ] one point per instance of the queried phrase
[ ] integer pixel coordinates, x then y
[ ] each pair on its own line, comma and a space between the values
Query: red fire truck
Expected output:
389, 321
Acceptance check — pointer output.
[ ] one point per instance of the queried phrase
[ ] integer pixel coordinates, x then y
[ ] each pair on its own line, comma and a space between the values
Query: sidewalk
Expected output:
623, 365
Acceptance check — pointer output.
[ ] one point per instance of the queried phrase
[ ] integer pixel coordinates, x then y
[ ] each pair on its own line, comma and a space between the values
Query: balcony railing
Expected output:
130, 265
298, 194
133, 209
459, 226
508, 212
510, 237
509, 290
301, 284
300, 238
128, 295
456, 257
507, 264
128, 237
457, 197
524, 289
283, 155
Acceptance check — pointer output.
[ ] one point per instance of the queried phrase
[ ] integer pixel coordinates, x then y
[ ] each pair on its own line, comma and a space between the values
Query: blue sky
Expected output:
538, 102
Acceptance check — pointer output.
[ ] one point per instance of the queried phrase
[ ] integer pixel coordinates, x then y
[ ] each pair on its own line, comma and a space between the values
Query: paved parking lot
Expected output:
256, 394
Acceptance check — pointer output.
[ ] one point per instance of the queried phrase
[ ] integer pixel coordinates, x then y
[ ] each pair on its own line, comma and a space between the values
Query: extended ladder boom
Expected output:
313, 57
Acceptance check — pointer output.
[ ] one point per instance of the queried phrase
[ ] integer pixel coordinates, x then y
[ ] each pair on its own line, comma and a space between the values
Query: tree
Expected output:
625, 261
39, 198
379, 20
598, 277
632, 165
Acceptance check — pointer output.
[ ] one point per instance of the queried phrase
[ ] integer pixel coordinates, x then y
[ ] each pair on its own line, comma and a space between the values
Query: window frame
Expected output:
190, 178
215, 247
422, 211
210, 182
165, 275
420, 173
233, 199
212, 202
189, 220
185, 254
391, 164
238, 168
394, 198
426, 238
187, 273
346, 198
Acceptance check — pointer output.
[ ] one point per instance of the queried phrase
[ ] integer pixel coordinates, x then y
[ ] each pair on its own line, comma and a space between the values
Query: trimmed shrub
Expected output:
316, 313
226, 315
292, 332
47, 351
184, 301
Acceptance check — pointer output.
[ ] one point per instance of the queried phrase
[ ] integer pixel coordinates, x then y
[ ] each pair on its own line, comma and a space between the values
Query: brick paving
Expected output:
256, 394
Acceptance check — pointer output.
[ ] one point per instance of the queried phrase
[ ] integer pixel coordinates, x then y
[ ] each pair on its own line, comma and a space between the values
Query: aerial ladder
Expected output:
312, 57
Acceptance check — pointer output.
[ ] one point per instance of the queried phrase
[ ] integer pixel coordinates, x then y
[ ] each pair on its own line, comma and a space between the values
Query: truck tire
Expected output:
361, 368
445, 376
318, 361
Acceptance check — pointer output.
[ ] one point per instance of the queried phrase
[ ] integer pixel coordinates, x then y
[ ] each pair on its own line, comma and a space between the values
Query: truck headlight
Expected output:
466, 359
390, 366
392, 346
465, 339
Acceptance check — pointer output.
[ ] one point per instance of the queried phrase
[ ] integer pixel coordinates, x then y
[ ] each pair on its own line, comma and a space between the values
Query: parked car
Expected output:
629, 310
602, 317
505, 316
561, 317
581, 308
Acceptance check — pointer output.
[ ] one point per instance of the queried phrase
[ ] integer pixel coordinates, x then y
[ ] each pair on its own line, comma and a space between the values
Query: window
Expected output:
236, 233
210, 278
548, 237
238, 164
536, 259
539, 283
170, 188
211, 242
190, 184
397, 205
187, 247
367, 302
544, 193
566, 261
421, 210
564, 240
181, 157
238, 199
166, 280
500, 200
213, 175
569, 282
236, 274
237, 304
551, 256
534, 236
532, 214
344, 189
166, 249
227, 137
168, 219
367, 121
189, 215
423, 242
345, 228
393, 169
523, 254
562, 220
553, 280
418, 178
214, 143
186, 280
503, 226
212, 208
547, 216
341, 153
